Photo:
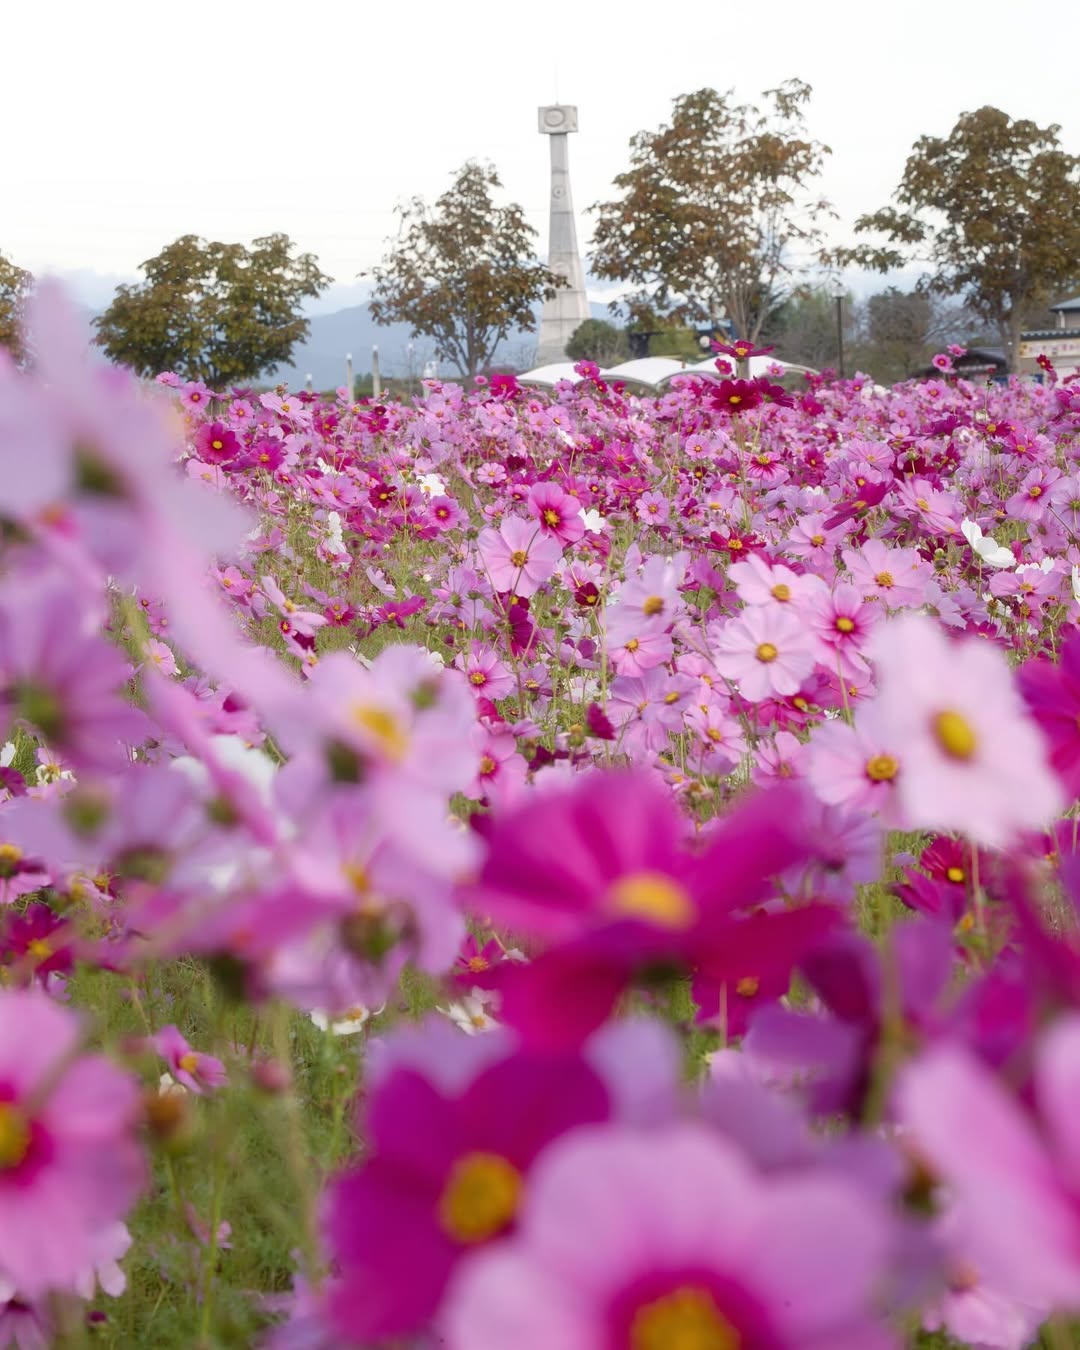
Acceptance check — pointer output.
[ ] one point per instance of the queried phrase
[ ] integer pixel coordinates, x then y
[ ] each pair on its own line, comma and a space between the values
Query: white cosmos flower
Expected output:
432, 485
343, 1024
988, 548
335, 542
594, 521
471, 1014
1076, 583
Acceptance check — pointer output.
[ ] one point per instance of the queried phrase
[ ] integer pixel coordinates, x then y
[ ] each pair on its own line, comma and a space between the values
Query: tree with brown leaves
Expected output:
713, 217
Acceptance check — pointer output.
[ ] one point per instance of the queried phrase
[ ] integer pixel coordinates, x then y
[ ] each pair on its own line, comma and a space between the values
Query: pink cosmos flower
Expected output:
842, 620
21, 872
652, 508
61, 680
195, 395
518, 557
857, 766
487, 675
759, 583
1013, 1177
195, 1071
973, 761
614, 1251
454, 1126
69, 1164
936, 512
895, 576
557, 511
767, 650
972, 1309
639, 649
649, 600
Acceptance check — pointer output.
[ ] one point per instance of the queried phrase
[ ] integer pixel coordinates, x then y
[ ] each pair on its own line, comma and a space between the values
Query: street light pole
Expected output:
838, 296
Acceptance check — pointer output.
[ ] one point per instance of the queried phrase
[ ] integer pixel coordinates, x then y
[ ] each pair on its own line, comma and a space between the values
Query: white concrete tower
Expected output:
569, 306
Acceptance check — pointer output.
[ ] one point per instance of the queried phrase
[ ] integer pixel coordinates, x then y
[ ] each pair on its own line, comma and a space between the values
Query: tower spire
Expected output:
569, 306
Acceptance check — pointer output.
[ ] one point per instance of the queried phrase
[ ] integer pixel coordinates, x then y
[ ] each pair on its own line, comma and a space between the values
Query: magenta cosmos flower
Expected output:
1052, 694
602, 871
519, 556
973, 761
1015, 1177
197, 1072
453, 1127
616, 1252
768, 650
69, 1164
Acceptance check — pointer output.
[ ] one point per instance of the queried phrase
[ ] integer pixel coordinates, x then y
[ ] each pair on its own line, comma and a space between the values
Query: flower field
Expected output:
518, 871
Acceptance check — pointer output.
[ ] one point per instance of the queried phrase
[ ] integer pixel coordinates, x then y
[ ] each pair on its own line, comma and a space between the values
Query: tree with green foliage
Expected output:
463, 272
15, 285
599, 341
993, 210
714, 211
216, 312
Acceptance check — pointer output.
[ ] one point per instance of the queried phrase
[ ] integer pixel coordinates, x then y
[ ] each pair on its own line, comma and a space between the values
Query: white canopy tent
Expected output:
656, 372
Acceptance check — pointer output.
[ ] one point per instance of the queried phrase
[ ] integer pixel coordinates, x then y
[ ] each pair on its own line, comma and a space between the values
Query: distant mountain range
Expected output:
353, 330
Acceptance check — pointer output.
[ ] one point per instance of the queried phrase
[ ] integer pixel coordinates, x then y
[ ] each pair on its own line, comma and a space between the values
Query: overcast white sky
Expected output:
130, 122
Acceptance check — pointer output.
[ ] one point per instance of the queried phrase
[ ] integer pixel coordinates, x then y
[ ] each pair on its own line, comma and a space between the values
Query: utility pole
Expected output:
838, 295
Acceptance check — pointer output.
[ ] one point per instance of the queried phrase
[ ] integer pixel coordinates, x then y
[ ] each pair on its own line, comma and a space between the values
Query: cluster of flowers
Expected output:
715, 755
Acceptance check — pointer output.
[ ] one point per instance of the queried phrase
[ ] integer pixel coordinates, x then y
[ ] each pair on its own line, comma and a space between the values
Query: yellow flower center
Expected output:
39, 949
687, 1319
845, 625
653, 605
478, 677
519, 557
955, 875
14, 1136
551, 517
633, 645
734, 398
215, 445
189, 1062
487, 766
653, 897
955, 735
478, 963
748, 986
10, 857
383, 726
817, 540
766, 652
882, 769
480, 1198
922, 503
357, 877
884, 580
781, 591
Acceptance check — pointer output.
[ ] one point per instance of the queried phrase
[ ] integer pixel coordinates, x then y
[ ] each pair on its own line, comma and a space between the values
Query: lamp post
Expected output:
838, 293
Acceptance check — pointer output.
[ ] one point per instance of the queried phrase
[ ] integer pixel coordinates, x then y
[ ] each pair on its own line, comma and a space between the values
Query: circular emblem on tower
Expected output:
558, 118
